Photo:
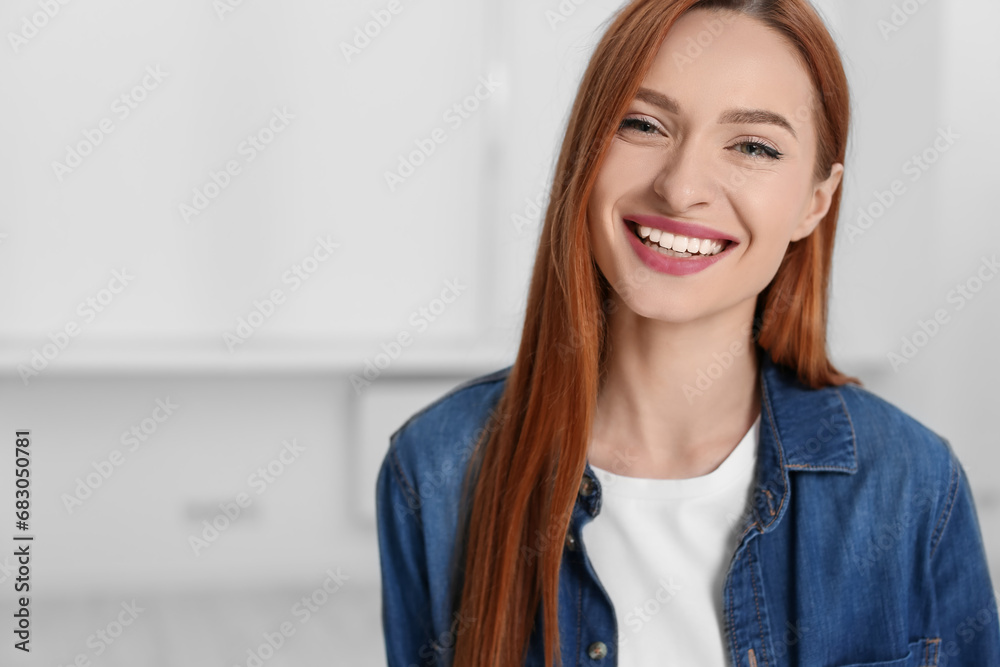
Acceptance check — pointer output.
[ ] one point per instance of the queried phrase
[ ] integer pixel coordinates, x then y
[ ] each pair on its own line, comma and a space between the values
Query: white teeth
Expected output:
679, 243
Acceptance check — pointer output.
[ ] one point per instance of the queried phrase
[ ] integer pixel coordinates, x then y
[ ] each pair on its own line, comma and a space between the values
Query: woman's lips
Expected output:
676, 266
683, 228
677, 243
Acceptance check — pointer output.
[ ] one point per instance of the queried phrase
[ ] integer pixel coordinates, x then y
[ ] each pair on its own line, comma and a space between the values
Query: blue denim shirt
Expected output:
861, 547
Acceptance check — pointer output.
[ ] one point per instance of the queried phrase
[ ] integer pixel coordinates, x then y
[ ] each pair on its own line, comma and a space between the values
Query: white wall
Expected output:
452, 220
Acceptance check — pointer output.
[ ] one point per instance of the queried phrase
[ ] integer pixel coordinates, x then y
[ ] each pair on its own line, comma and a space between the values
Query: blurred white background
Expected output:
199, 244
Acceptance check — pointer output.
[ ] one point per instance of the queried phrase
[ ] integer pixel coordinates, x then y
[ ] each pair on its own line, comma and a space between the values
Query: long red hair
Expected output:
525, 474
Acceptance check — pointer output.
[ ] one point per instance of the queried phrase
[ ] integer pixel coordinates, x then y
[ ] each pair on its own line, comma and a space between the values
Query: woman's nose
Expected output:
687, 178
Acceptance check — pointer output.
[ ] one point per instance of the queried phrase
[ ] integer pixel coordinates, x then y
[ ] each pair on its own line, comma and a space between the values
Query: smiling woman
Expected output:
607, 514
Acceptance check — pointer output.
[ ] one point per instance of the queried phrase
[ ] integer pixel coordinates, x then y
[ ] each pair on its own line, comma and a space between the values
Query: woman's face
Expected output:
719, 146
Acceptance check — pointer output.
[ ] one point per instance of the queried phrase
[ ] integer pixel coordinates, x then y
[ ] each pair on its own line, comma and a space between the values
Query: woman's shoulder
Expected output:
444, 432
849, 427
896, 450
897, 468
877, 419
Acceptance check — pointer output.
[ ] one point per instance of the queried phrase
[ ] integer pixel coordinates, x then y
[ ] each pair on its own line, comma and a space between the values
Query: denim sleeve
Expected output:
966, 602
406, 606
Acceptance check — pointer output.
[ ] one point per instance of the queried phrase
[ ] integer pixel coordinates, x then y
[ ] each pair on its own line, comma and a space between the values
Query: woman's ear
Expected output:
820, 203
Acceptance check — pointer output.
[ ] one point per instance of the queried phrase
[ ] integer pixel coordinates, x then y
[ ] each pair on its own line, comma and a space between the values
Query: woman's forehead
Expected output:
712, 60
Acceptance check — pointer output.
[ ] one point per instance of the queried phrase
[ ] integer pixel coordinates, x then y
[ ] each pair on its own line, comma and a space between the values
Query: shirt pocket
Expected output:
922, 653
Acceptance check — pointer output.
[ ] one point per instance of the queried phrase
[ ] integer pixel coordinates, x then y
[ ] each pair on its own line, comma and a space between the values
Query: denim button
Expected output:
570, 542
587, 486
597, 650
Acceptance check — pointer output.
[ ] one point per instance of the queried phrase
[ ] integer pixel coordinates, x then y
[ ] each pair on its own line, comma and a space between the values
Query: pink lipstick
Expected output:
655, 257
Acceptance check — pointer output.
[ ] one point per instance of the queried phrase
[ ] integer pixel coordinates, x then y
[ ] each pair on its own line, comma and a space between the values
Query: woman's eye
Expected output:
758, 150
639, 125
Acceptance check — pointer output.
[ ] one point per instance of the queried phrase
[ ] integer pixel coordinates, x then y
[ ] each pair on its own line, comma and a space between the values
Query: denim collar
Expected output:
803, 429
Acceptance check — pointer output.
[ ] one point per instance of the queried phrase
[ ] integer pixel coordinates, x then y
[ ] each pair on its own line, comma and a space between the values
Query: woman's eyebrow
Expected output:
731, 116
756, 117
658, 100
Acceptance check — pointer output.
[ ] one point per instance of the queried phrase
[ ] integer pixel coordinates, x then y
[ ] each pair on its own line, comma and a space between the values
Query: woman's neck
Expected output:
676, 399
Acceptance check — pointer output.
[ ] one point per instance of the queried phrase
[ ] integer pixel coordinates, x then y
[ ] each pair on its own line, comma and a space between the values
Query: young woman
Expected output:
672, 472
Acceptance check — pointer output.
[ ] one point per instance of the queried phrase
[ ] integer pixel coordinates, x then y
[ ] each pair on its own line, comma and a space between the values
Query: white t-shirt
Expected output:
661, 548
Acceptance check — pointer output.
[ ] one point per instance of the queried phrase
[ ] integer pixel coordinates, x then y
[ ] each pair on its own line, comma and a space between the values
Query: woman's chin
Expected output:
672, 312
